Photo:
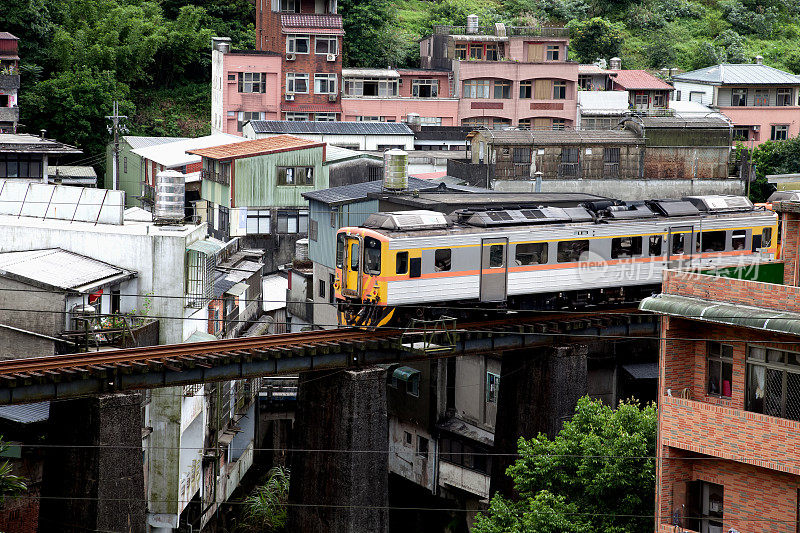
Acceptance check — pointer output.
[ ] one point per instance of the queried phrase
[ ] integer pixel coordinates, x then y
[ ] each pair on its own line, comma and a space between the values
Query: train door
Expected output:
494, 270
351, 284
680, 245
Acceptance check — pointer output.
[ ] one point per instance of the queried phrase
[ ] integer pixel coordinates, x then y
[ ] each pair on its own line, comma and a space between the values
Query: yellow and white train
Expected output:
417, 263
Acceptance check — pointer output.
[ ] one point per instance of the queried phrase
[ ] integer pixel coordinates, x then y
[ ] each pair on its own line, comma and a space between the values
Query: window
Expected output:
325, 117
231, 76
655, 244
252, 82
476, 51
372, 255
741, 134
611, 162
340, 243
553, 51
477, 122
125, 164
258, 221
293, 221
658, 100
461, 52
766, 237
559, 124
678, 96
325, 45
756, 243
331, 282
313, 230
713, 241
297, 83
678, 243
524, 124
531, 253
401, 262
290, 6
496, 255
243, 117
641, 98
325, 84
622, 247
334, 217
412, 385
738, 97
773, 382
761, 97
572, 251
522, 155
491, 52
502, 89
430, 121
476, 89
784, 97
720, 369
526, 89
422, 446
441, 259
302, 176
370, 87
298, 44
711, 506
354, 256
425, 88
780, 132
321, 283
739, 239
407, 440
492, 386
297, 117
696, 96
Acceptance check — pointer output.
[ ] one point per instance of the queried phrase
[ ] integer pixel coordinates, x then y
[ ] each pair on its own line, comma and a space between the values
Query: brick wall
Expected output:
789, 247
20, 515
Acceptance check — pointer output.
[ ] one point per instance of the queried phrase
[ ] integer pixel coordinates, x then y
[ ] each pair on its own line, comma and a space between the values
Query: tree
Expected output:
370, 31
597, 474
10, 484
660, 53
594, 38
265, 508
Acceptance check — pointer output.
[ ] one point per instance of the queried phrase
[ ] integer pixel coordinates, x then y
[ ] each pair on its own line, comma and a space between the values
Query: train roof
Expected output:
605, 211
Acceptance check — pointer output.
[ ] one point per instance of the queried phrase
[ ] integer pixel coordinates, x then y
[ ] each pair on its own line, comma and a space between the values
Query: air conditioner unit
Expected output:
289, 57
331, 57
290, 98
756, 128
331, 97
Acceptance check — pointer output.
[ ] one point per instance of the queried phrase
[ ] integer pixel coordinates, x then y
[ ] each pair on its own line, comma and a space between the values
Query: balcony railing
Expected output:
217, 177
510, 31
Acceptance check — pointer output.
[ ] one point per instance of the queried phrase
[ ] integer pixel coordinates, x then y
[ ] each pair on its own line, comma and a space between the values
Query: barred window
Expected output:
773, 382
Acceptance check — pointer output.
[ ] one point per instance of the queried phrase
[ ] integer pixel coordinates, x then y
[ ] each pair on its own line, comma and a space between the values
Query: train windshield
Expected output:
340, 250
372, 255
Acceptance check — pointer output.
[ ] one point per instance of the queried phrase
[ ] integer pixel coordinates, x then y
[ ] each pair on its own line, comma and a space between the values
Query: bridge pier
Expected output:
343, 491
539, 389
92, 476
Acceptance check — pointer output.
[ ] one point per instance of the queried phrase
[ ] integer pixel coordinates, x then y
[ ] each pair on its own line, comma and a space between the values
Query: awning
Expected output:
642, 370
723, 313
27, 413
238, 290
405, 373
205, 246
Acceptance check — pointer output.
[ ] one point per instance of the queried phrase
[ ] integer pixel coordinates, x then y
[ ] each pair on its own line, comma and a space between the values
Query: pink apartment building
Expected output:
760, 101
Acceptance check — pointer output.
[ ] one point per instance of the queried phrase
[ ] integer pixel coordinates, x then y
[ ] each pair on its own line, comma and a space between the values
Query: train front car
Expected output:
361, 258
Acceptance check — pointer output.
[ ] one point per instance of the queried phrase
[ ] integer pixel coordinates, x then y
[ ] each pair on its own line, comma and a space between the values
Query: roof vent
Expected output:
407, 220
759, 60
717, 203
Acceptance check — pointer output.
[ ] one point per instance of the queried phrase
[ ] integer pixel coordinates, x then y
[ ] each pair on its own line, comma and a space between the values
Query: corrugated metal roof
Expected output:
739, 74
69, 171
640, 80
360, 191
540, 137
273, 289
330, 128
26, 413
603, 102
174, 154
59, 268
335, 154
281, 143
206, 246
405, 373
136, 141
684, 122
723, 313
312, 20
642, 370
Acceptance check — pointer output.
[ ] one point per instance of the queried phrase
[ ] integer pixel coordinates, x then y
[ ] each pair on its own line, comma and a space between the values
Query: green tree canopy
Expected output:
598, 475
594, 38
370, 32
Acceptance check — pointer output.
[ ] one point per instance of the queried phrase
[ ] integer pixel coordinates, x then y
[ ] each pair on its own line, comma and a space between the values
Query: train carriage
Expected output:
600, 253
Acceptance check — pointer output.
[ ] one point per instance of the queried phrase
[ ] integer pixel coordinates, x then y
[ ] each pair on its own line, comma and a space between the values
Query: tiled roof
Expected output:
747, 74
281, 143
312, 21
639, 80
360, 191
298, 127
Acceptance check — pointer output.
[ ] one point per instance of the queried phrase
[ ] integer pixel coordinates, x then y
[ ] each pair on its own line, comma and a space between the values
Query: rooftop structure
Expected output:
170, 155
269, 145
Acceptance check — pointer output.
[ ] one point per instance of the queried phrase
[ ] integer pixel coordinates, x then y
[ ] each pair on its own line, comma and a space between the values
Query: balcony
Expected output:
217, 177
9, 81
505, 31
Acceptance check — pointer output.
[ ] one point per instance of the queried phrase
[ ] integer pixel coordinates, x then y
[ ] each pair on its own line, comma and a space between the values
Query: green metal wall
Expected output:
256, 179
216, 193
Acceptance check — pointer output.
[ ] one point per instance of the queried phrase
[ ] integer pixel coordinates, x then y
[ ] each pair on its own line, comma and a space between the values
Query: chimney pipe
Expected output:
759, 60
42, 133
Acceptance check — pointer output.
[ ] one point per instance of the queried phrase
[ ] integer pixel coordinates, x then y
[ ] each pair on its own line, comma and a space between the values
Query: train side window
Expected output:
496, 256
402, 263
739, 239
354, 256
571, 251
415, 267
531, 253
678, 242
340, 251
713, 241
626, 247
766, 239
372, 255
756, 241
442, 259
655, 244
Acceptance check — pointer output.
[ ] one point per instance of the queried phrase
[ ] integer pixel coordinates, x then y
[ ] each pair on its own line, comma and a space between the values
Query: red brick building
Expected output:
729, 395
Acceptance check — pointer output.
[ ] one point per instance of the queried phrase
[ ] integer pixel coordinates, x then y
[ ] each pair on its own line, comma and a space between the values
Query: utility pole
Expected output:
115, 128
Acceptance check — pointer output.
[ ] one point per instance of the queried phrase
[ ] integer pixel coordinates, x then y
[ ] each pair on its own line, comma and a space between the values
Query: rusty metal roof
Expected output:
281, 143
640, 80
